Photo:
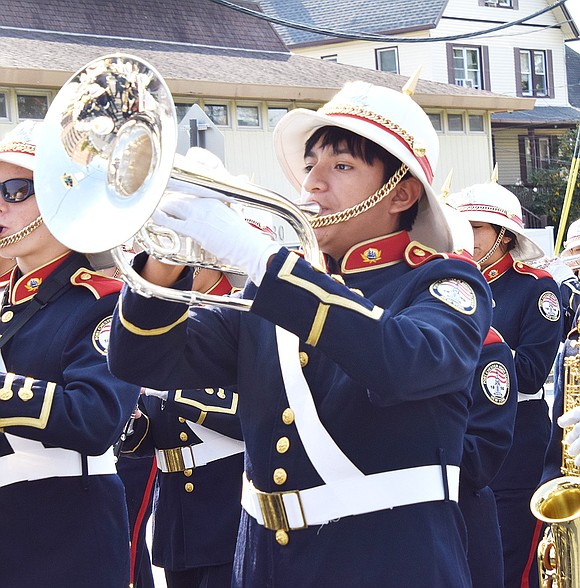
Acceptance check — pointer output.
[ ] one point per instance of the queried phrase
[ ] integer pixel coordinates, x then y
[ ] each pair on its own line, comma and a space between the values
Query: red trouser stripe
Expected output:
532, 555
141, 516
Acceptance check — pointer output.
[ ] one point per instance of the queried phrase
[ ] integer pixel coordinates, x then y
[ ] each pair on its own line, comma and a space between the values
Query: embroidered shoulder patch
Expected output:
101, 335
455, 293
495, 382
549, 306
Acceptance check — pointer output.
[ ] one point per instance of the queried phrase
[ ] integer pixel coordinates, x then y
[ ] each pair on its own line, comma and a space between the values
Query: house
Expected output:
520, 60
234, 66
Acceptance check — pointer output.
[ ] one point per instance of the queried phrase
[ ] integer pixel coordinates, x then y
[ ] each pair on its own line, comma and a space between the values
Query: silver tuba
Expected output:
106, 157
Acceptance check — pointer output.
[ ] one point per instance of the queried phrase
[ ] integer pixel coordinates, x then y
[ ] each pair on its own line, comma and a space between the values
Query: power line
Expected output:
380, 38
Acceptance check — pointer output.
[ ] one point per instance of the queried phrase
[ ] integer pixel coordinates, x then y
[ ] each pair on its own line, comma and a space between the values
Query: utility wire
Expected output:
379, 38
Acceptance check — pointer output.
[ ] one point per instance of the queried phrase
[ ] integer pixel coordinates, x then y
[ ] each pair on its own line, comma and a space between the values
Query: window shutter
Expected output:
485, 72
450, 68
550, 74
518, 70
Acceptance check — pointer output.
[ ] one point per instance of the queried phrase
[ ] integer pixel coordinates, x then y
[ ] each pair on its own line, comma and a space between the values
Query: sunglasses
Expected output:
16, 190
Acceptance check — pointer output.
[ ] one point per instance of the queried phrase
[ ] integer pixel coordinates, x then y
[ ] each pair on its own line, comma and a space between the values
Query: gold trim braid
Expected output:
353, 211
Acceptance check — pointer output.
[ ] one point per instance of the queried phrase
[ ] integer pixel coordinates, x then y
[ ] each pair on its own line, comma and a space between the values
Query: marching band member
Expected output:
488, 438
64, 518
197, 502
564, 270
527, 314
354, 384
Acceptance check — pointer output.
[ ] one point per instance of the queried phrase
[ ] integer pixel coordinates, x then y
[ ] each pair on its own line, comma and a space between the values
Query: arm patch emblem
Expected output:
549, 306
495, 382
101, 335
455, 293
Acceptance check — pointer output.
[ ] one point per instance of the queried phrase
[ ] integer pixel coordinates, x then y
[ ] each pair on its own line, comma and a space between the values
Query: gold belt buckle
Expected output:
174, 459
274, 511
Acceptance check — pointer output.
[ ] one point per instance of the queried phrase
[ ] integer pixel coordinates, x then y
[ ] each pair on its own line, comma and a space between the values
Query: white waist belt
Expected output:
298, 509
525, 397
192, 456
32, 461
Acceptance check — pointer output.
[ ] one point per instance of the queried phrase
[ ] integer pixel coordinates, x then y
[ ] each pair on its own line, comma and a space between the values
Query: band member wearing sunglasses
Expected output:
64, 519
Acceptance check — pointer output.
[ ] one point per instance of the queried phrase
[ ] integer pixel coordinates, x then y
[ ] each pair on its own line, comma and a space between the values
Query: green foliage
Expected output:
546, 188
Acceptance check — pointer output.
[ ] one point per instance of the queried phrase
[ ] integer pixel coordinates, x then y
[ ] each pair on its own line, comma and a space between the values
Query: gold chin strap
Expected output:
22, 233
494, 248
344, 215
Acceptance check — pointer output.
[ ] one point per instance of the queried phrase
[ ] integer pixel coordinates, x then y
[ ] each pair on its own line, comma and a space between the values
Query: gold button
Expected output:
419, 252
282, 537
280, 476
338, 278
187, 472
7, 316
288, 416
6, 394
303, 356
221, 393
183, 436
189, 487
25, 394
181, 420
282, 445
519, 265
85, 276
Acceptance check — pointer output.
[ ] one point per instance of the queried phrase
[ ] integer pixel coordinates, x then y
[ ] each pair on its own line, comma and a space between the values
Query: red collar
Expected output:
221, 288
25, 287
499, 268
376, 253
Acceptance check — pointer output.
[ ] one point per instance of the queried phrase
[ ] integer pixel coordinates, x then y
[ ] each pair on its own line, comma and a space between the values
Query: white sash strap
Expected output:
328, 459
214, 446
525, 397
32, 461
315, 506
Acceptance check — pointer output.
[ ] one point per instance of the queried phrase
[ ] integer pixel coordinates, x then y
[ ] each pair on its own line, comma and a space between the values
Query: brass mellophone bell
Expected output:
107, 156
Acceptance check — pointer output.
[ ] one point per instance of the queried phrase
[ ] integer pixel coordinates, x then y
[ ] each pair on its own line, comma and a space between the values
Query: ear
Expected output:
405, 195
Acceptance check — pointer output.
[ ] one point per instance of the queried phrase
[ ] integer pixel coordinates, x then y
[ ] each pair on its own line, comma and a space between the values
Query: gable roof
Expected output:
369, 16
247, 61
186, 21
573, 75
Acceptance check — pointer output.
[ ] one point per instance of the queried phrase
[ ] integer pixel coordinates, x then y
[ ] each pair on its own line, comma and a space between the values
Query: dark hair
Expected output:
511, 244
369, 152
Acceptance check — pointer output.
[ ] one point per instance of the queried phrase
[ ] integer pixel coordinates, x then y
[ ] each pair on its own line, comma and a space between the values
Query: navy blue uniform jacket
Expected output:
389, 357
63, 531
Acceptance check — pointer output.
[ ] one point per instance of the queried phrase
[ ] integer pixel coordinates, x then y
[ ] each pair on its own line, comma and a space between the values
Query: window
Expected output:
248, 116
476, 124
275, 113
435, 118
500, 3
534, 73
181, 110
218, 114
388, 60
3, 105
468, 66
333, 58
32, 106
536, 152
455, 123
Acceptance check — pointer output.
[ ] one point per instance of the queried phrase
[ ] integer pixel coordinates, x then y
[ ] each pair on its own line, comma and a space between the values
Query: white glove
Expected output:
560, 271
163, 394
218, 229
572, 419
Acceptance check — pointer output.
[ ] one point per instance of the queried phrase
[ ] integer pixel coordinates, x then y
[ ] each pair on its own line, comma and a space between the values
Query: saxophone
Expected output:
557, 502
